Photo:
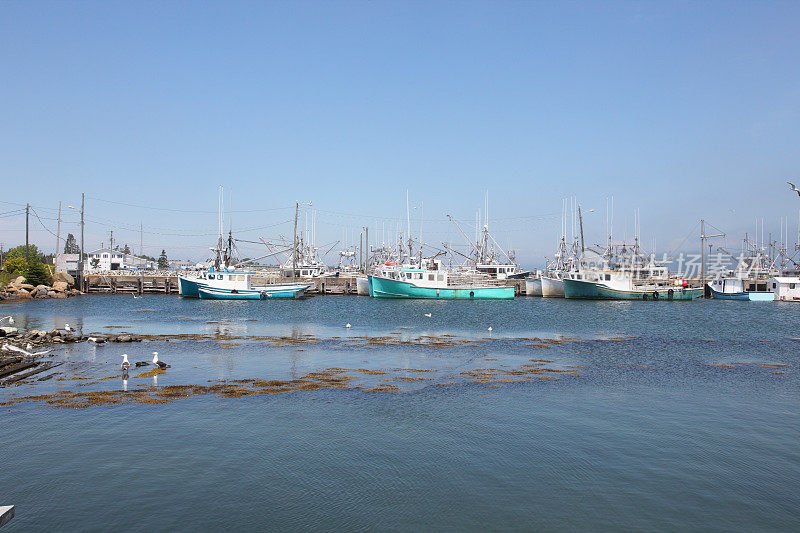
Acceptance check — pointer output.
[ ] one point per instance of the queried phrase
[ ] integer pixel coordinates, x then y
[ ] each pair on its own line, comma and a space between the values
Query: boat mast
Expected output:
580, 221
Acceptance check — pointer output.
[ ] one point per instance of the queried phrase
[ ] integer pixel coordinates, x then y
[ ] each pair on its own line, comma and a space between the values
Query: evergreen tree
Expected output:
126, 250
70, 246
37, 274
163, 263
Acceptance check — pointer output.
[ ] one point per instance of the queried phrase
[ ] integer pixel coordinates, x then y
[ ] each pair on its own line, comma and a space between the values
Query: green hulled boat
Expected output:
421, 283
653, 293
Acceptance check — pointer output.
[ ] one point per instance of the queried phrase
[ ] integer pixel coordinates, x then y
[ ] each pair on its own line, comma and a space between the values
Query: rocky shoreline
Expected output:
20, 289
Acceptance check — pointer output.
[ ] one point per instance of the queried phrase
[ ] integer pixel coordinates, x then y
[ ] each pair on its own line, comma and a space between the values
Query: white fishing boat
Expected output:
533, 286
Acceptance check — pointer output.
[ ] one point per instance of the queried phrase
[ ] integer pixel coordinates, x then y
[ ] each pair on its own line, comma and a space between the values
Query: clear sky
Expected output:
684, 110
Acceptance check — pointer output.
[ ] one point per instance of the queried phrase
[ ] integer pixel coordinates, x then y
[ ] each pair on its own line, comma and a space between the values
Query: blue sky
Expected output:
680, 109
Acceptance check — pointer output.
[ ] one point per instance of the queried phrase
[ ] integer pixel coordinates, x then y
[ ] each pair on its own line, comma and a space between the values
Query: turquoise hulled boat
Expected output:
654, 293
421, 283
233, 285
262, 293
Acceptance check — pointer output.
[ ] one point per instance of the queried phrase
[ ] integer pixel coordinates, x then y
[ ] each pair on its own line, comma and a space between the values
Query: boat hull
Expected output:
668, 294
744, 296
576, 288
391, 288
264, 293
552, 287
362, 286
188, 288
533, 287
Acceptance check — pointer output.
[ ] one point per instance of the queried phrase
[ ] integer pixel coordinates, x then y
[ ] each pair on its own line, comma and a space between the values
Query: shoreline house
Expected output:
66, 263
109, 260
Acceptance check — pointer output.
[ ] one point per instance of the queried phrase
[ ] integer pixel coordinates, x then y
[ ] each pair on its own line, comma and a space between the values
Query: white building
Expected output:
67, 263
108, 260
785, 287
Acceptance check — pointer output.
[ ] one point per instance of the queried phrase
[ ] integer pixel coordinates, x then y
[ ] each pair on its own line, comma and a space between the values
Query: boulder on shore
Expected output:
63, 276
60, 286
8, 331
19, 280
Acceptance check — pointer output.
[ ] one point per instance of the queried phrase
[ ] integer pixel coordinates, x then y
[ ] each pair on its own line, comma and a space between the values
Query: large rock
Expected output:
27, 286
58, 295
23, 294
60, 286
8, 331
63, 276
19, 281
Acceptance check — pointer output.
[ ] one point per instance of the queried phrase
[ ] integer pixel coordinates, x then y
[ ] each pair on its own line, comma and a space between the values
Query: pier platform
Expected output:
135, 283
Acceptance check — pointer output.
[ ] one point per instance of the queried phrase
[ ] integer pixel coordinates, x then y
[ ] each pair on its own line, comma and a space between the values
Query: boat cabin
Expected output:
737, 285
496, 271
423, 278
786, 288
225, 280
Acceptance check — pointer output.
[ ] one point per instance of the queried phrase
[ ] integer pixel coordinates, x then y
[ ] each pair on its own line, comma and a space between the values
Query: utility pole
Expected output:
141, 240
112, 240
27, 216
361, 253
80, 257
58, 230
366, 262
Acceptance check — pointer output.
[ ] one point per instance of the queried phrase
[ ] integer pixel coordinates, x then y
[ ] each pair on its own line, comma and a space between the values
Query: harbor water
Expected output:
567, 415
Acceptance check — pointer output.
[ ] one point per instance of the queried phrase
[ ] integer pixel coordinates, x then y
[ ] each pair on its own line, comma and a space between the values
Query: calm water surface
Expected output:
687, 422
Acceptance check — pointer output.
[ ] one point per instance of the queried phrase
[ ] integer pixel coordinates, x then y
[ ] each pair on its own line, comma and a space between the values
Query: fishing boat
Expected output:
552, 285
741, 289
435, 284
652, 293
288, 290
533, 286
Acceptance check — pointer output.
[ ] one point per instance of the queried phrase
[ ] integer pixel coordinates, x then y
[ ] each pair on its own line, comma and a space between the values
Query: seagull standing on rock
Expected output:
67, 328
9, 318
160, 364
125, 364
348, 326
490, 328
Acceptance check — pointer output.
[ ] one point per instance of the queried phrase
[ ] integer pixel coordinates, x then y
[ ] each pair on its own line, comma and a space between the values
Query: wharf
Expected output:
160, 283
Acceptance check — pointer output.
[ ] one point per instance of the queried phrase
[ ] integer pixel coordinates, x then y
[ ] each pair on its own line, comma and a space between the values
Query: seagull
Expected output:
12, 348
348, 326
793, 188
160, 364
136, 297
125, 364
490, 328
9, 318
67, 328
428, 315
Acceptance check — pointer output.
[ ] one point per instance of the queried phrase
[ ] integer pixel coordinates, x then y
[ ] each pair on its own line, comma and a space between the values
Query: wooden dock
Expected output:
168, 284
